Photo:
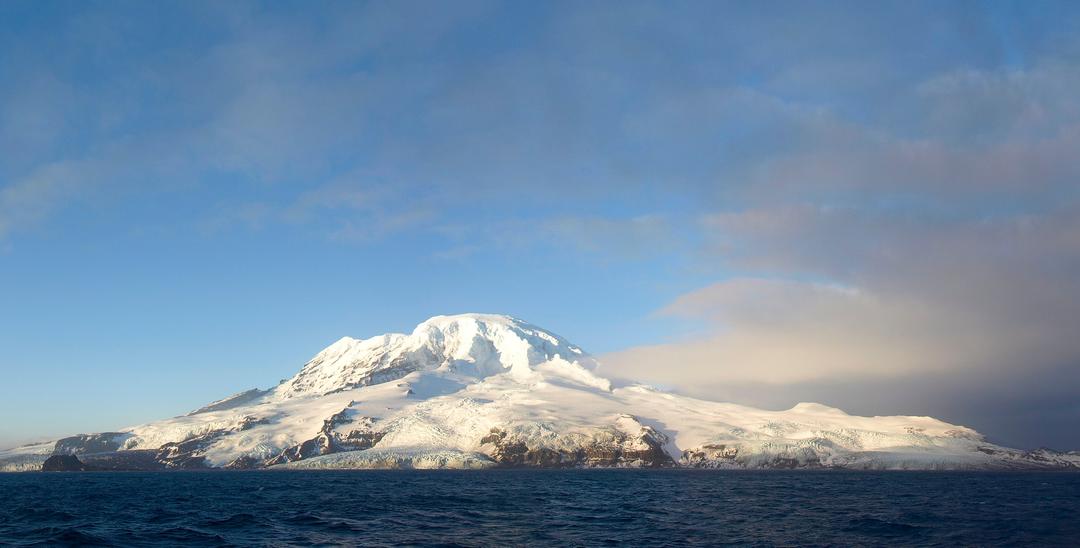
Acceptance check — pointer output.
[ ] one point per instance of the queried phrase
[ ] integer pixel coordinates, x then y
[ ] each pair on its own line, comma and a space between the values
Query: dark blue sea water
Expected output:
540, 507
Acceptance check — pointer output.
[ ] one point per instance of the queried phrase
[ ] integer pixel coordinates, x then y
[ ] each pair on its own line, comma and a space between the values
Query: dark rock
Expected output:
653, 455
710, 455
728, 456
610, 447
189, 453
244, 462
358, 440
1050, 459
127, 460
319, 445
63, 463
250, 422
328, 440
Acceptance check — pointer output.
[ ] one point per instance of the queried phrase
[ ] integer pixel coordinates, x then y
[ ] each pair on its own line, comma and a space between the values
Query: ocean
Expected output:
540, 508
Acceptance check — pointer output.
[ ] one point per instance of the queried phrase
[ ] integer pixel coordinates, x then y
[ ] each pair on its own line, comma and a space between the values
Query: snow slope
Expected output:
474, 391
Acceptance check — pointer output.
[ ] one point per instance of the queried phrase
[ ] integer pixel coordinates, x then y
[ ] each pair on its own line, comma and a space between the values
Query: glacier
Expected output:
475, 391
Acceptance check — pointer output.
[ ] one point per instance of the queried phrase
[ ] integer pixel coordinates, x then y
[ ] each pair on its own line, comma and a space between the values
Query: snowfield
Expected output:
477, 391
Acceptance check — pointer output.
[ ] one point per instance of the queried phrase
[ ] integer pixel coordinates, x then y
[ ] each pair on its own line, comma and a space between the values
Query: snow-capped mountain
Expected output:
473, 346
474, 391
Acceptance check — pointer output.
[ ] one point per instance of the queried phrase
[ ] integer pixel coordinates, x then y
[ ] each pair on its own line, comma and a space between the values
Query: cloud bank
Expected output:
934, 273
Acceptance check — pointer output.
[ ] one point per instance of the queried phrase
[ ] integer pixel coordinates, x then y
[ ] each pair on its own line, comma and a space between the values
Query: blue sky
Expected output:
197, 197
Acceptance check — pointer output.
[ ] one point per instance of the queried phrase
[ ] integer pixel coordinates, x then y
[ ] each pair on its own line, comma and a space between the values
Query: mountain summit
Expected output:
482, 390
470, 345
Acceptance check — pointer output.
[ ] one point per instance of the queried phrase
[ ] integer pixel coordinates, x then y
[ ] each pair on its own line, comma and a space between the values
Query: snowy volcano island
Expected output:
479, 391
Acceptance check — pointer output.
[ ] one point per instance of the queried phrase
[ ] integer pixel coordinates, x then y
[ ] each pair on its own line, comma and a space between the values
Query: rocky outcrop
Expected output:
129, 460
1038, 458
103, 451
778, 456
330, 439
244, 462
606, 447
713, 455
63, 463
189, 453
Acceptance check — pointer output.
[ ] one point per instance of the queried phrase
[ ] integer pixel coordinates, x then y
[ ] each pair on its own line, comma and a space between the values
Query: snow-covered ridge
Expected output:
481, 390
470, 345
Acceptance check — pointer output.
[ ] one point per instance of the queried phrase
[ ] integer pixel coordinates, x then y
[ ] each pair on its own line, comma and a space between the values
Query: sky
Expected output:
872, 205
